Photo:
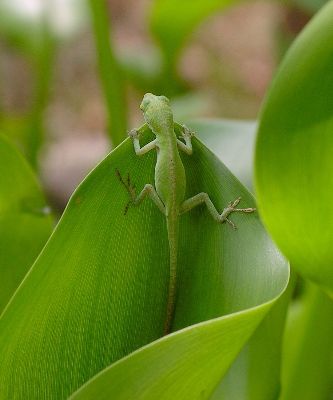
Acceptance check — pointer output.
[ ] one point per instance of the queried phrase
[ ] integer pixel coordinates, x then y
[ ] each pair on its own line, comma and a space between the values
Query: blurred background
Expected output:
73, 72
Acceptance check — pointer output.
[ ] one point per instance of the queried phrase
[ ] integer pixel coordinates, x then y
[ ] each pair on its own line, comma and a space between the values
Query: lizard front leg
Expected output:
187, 135
135, 135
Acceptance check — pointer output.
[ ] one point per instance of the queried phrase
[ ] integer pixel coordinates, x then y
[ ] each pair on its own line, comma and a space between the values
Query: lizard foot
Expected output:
187, 132
231, 207
130, 187
134, 134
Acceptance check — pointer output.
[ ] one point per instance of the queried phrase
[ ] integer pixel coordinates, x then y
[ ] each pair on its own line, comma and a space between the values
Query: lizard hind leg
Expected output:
203, 198
147, 191
130, 188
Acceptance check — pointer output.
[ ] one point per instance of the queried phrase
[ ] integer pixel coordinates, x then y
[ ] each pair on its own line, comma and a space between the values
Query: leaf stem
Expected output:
110, 72
44, 60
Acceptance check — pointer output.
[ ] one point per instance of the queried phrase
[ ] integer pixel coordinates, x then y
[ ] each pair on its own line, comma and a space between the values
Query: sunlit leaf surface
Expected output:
294, 163
98, 291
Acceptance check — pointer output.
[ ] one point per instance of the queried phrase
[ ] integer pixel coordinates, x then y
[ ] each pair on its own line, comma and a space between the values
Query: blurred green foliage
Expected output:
92, 297
310, 6
25, 223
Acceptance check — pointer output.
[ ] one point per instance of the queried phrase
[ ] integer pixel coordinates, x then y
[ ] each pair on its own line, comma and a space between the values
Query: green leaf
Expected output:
186, 365
255, 374
169, 368
110, 73
307, 359
171, 22
256, 371
24, 226
232, 142
294, 163
98, 290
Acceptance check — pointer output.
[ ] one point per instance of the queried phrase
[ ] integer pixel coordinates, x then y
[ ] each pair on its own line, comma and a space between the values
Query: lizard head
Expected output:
157, 111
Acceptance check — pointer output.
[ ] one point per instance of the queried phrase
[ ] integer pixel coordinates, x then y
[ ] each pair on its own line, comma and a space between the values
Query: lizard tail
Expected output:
173, 252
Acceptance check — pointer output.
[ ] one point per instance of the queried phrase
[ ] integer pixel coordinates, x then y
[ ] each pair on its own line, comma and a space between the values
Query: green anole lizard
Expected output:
170, 181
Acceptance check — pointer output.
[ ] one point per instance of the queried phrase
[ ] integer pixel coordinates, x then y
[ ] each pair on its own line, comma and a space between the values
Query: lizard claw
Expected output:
234, 227
134, 134
233, 204
231, 207
187, 132
245, 210
130, 188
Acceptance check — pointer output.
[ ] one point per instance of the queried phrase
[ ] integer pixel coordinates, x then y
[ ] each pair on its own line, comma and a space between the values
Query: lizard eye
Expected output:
146, 100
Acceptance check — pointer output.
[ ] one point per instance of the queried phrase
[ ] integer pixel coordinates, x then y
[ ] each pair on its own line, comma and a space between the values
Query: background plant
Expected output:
89, 301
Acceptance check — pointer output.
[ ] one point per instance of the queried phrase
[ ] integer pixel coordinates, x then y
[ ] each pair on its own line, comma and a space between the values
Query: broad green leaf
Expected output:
190, 363
294, 163
255, 374
24, 226
307, 359
98, 290
171, 21
256, 371
95, 278
233, 143
186, 365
